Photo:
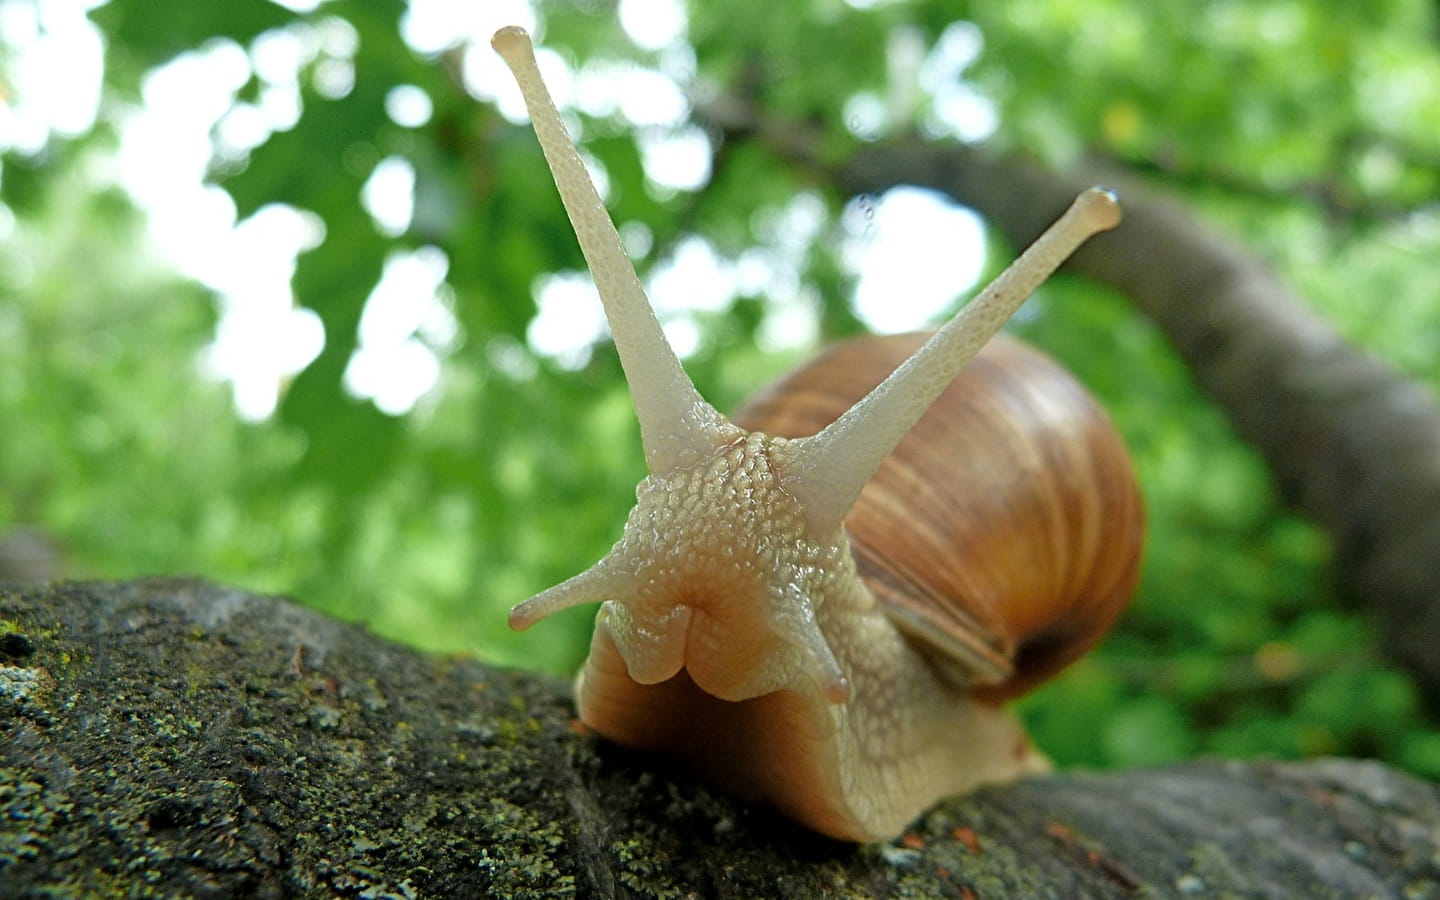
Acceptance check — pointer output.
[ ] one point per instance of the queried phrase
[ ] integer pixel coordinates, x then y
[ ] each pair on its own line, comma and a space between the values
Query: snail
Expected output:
824, 602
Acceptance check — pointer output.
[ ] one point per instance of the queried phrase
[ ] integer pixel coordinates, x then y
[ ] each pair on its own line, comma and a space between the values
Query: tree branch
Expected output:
182, 739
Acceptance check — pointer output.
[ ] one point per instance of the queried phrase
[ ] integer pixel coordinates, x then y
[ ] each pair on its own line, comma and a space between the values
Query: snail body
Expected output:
824, 601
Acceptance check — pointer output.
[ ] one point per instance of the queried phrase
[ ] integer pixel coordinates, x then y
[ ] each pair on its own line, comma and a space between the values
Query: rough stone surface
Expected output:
183, 739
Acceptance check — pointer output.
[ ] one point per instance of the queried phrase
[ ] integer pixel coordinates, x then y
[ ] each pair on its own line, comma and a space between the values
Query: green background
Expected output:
1308, 131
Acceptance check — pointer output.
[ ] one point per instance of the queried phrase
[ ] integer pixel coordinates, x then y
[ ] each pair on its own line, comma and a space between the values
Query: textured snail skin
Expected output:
735, 629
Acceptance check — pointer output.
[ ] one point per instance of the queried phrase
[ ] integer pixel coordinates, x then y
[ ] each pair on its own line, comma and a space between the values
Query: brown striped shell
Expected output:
1004, 532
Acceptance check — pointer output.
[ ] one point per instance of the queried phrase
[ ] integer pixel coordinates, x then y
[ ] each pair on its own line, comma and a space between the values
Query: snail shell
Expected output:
1003, 533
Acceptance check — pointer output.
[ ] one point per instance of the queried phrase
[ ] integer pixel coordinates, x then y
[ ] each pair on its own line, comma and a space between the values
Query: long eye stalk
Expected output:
831, 467
674, 419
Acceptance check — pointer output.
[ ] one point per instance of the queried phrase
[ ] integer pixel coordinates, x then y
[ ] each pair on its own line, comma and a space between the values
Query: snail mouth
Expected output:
743, 659
725, 656
730, 644
722, 657
654, 649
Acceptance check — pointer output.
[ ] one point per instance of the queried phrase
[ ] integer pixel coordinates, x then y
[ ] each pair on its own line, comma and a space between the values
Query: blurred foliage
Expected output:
1308, 130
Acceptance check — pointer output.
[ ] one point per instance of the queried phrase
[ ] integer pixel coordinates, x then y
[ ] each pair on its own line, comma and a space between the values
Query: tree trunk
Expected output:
1352, 445
177, 738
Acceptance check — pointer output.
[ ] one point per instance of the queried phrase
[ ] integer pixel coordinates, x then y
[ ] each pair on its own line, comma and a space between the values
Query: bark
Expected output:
178, 738
1352, 445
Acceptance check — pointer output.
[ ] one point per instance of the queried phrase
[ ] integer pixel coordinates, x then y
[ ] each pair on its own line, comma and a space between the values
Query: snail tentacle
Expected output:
676, 424
831, 467
594, 585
